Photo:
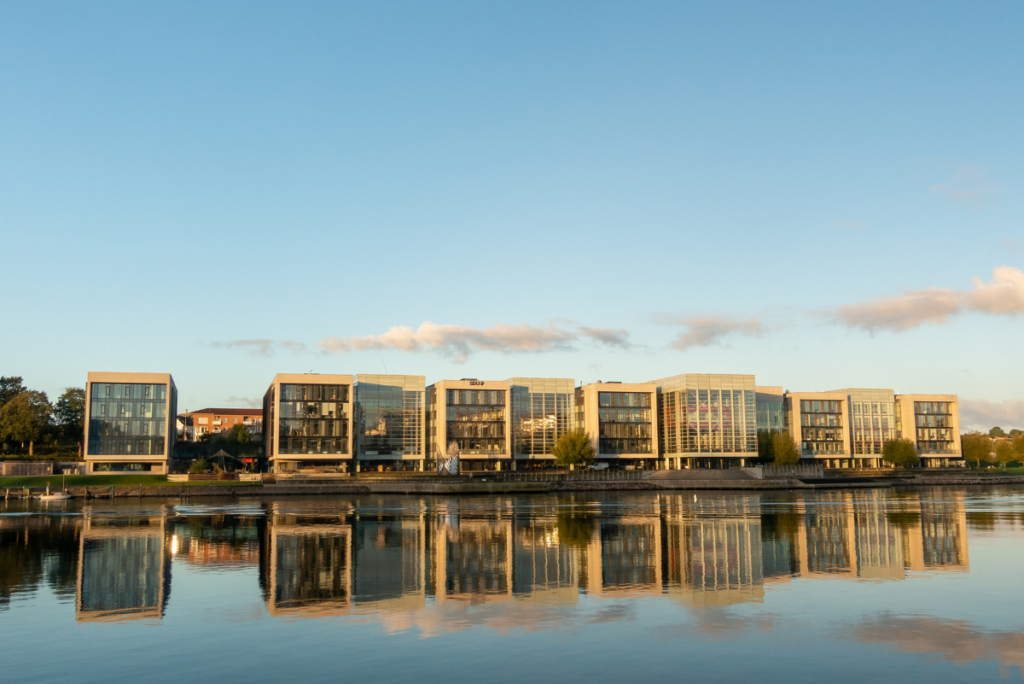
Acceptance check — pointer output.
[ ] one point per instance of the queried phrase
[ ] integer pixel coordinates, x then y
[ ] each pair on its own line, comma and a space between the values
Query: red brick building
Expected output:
210, 421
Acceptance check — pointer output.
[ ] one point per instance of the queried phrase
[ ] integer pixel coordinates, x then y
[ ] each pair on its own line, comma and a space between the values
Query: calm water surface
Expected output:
604, 587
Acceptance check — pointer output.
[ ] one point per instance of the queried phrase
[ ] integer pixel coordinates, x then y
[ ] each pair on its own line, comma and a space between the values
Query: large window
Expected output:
389, 415
313, 419
821, 423
874, 424
127, 419
624, 423
934, 424
541, 413
476, 420
720, 421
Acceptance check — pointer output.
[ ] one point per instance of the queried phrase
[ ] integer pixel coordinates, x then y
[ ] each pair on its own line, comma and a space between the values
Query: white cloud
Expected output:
459, 341
1003, 296
612, 337
707, 331
981, 414
260, 347
969, 185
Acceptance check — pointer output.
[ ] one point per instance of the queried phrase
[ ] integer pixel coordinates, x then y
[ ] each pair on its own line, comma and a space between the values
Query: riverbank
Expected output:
130, 487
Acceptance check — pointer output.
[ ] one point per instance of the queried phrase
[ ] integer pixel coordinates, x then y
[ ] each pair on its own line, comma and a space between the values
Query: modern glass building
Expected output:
542, 411
390, 422
932, 422
817, 422
619, 419
871, 423
129, 422
474, 414
707, 420
308, 422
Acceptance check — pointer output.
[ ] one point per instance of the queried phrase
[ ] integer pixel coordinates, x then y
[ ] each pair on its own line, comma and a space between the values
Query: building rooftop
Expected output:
229, 411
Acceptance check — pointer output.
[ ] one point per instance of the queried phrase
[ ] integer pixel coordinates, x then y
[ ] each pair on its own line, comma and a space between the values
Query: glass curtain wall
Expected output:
709, 414
624, 422
314, 419
127, 419
822, 426
771, 419
389, 416
476, 420
934, 421
873, 420
541, 413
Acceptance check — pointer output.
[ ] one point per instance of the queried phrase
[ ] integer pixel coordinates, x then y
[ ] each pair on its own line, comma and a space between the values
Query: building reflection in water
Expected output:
307, 569
124, 568
399, 558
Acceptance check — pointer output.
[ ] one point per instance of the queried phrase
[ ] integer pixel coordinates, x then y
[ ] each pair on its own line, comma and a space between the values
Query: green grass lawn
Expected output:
102, 481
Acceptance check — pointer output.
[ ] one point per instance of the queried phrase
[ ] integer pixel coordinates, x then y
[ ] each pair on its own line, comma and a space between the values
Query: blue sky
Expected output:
593, 190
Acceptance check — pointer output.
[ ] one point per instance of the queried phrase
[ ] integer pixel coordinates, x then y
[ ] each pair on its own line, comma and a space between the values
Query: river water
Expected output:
835, 586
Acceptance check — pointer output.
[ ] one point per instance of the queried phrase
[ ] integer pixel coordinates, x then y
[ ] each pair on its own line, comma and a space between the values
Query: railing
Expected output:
559, 475
785, 472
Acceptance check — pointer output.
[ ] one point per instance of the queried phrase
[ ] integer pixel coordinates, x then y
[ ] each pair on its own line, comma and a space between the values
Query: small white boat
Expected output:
55, 496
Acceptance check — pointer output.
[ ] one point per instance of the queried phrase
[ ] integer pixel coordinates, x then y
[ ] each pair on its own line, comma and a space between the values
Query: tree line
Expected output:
27, 418
995, 447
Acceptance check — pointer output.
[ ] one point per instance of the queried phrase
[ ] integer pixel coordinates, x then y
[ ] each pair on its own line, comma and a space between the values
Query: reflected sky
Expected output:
857, 584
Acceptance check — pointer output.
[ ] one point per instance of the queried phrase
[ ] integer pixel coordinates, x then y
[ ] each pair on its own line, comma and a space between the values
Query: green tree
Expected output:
784, 449
240, 434
764, 445
1018, 446
198, 466
69, 413
900, 453
10, 387
1005, 453
996, 432
25, 418
573, 448
976, 447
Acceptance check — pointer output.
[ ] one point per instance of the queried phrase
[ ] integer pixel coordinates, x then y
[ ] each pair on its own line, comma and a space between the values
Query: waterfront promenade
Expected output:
734, 479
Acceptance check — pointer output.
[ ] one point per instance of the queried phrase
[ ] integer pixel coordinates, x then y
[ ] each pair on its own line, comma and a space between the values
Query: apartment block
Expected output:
210, 421
932, 422
308, 422
818, 422
129, 422
474, 414
707, 421
619, 418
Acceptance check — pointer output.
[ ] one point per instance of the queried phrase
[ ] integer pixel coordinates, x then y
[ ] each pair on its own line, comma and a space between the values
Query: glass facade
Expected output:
771, 414
708, 414
624, 423
129, 419
313, 419
541, 413
821, 424
872, 420
934, 424
389, 415
476, 420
